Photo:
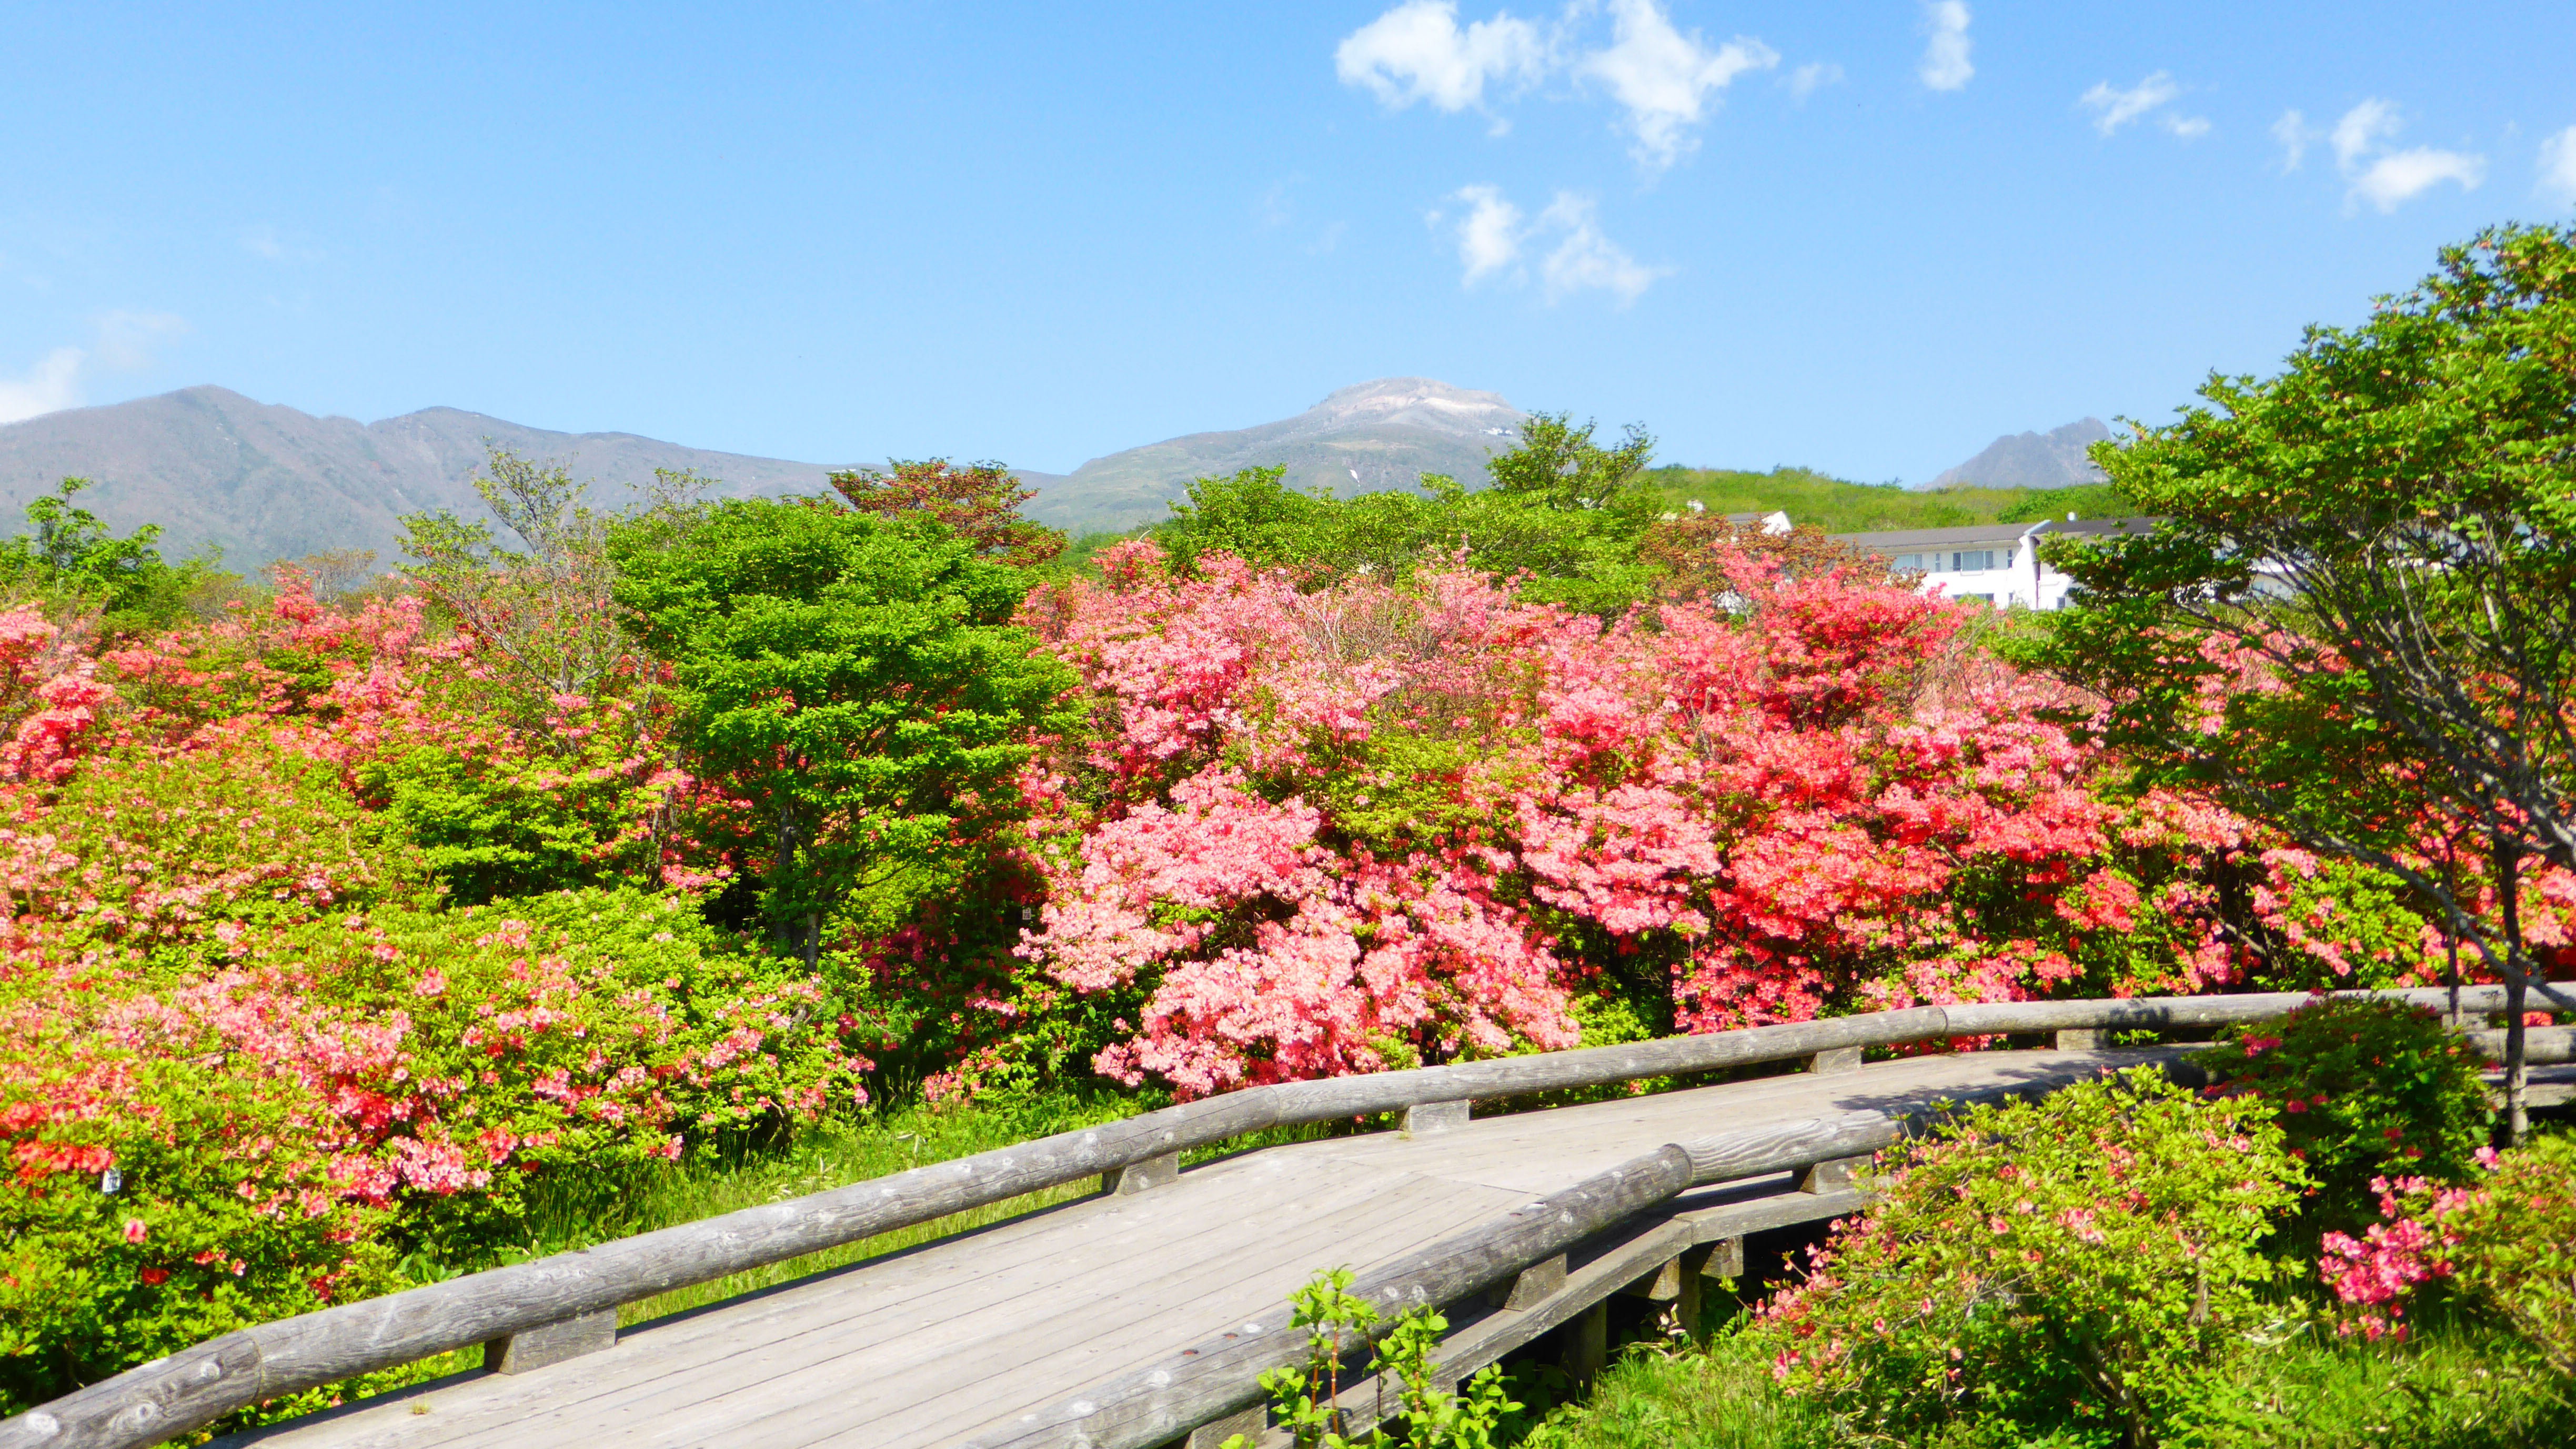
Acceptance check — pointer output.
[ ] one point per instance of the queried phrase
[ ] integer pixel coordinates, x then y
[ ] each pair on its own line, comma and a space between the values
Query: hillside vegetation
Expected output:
1837, 505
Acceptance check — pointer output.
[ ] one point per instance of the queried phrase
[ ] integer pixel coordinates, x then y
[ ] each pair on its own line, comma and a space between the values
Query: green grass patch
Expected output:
2460, 1384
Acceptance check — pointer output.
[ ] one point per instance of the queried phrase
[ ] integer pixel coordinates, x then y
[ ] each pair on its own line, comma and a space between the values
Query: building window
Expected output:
1970, 560
1906, 563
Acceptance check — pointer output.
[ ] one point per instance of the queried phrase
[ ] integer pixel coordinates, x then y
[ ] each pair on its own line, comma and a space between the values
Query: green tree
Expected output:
2359, 620
855, 678
1559, 464
979, 503
541, 615
73, 556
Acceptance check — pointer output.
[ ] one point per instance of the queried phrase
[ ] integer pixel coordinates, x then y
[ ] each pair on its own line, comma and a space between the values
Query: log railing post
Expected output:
516, 1353
1536, 1282
1136, 1177
1835, 1059
2076, 1041
1423, 1118
1833, 1176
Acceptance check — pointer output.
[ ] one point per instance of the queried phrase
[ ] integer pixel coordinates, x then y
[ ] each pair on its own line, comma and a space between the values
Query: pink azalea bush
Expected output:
2504, 1245
2365, 1090
254, 1056
1333, 831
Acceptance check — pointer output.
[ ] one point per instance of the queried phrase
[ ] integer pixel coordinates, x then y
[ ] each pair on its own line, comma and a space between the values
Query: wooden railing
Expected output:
546, 1309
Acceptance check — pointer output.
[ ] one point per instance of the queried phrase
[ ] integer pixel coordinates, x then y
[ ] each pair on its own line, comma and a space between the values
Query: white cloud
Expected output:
1493, 238
1664, 77
2114, 108
1416, 52
126, 341
1806, 80
2558, 168
49, 386
2362, 127
1945, 56
2404, 175
1489, 235
1586, 259
2391, 178
2295, 135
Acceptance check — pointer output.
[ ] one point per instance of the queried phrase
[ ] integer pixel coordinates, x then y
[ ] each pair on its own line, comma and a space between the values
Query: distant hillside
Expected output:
266, 482
1838, 506
2054, 459
1376, 435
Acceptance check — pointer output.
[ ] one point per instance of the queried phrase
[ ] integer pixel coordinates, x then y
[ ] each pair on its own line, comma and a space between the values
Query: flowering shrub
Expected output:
252, 1062
2506, 1245
1329, 831
346, 1089
2093, 1257
2365, 1089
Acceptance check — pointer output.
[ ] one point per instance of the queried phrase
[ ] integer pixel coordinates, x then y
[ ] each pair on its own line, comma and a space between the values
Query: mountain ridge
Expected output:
266, 481
2054, 459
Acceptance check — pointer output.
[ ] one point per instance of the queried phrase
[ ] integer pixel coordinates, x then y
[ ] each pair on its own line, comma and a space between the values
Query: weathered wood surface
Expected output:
966, 1336
197, 1385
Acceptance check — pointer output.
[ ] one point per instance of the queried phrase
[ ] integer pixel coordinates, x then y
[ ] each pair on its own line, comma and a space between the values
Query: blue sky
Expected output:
1866, 237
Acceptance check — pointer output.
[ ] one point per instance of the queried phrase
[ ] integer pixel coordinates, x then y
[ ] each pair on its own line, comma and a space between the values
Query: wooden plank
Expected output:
845, 1304
1092, 1305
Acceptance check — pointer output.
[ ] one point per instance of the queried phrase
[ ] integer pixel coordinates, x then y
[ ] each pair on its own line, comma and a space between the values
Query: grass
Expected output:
1838, 506
2459, 1385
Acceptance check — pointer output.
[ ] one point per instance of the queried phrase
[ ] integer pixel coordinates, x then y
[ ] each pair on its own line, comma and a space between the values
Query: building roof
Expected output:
1919, 538
1996, 533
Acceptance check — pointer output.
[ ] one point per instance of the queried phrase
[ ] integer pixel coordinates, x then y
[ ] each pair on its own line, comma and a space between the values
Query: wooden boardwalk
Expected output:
960, 1337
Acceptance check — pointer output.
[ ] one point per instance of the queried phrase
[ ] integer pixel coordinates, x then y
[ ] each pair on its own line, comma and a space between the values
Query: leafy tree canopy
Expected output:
978, 502
855, 678
73, 553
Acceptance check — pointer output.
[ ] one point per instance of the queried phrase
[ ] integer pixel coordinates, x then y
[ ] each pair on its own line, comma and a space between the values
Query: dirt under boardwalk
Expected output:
934, 1344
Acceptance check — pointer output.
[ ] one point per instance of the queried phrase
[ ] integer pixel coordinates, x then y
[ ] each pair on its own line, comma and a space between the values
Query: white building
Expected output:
1995, 563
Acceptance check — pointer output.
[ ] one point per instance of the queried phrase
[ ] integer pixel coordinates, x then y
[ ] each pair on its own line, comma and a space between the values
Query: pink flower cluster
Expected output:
1329, 831
2378, 1271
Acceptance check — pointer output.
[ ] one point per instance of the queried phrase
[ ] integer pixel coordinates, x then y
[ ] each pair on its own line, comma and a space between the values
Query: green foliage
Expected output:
2090, 1260
2364, 1090
2455, 1385
979, 502
1428, 1417
2516, 1247
1557, 464
1720, 1397
857, 680
2358, 622
147, 850
490, 823
1836, 505
1585, 558
73, 559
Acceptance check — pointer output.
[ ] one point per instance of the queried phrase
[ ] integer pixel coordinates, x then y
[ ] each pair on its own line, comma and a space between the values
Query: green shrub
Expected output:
2515, 1256
2087, 1262
2365, 1089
